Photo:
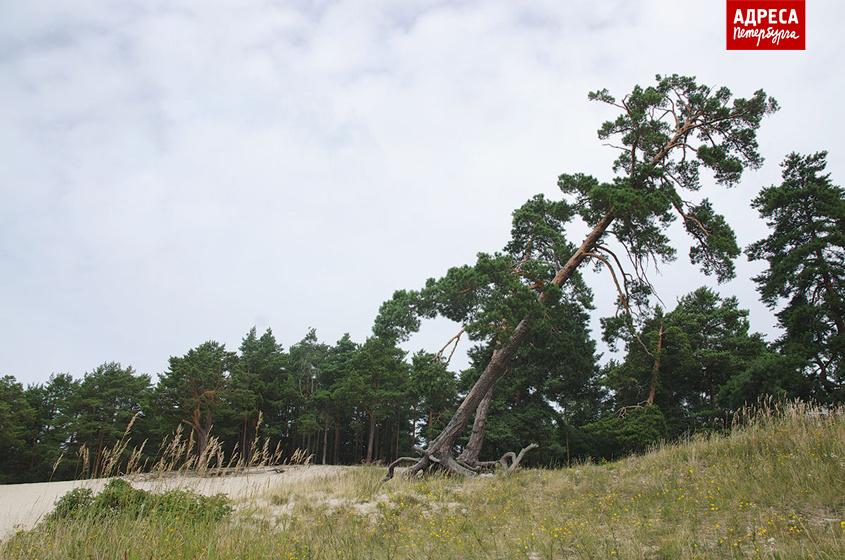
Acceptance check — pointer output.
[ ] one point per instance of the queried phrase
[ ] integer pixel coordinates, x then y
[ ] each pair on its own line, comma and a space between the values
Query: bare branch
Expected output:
624, 410
625, 275
623, 295
454, 342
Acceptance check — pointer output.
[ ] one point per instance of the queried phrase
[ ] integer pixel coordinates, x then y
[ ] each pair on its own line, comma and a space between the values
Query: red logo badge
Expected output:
765, 25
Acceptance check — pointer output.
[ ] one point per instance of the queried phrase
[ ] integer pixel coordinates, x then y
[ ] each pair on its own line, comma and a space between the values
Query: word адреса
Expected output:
777, 26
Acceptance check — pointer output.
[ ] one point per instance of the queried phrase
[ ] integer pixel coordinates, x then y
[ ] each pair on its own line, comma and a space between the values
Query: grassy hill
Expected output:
772, 488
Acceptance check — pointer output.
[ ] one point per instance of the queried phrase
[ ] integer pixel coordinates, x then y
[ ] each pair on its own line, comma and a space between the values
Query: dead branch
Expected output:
429, 462
454, 341
624, 410
476, 466
623, 295
625, 275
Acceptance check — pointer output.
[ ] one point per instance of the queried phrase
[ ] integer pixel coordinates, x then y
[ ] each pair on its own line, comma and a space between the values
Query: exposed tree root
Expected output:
515, 459
392, 466
429, 463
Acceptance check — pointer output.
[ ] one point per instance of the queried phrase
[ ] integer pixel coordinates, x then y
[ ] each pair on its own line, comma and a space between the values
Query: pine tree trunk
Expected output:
479, 427
439, 451
336, 452
414, 428
357, 454
398, 426
371, 438
325, 440
566, 424
202, 429
377, 448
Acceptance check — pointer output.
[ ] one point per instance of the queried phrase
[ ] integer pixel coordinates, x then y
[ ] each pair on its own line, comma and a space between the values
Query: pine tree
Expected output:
806, 255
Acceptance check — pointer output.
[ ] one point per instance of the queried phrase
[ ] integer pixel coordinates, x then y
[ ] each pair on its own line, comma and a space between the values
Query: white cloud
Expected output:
176, 172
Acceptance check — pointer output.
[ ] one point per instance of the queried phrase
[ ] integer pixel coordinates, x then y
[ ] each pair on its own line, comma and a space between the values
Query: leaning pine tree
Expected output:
665, 134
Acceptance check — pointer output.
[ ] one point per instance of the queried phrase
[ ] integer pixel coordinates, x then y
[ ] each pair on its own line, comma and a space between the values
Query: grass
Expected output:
772, 488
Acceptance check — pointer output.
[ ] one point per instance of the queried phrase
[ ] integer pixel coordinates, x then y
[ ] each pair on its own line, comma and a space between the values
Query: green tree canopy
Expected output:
15, 415
194, 388
105, 402
258, 388
50, 430
433, 392
682, 361
806, 255
376, 383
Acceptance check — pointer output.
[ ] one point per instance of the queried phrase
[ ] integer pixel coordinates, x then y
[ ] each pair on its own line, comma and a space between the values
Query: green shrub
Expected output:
119, 498
72, 504
634, 432
186, 503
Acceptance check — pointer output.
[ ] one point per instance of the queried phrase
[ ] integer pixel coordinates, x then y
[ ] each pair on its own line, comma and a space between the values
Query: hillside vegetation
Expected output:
772, 488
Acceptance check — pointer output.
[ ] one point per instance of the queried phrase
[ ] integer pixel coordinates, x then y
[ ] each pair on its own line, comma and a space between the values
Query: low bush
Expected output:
120, 498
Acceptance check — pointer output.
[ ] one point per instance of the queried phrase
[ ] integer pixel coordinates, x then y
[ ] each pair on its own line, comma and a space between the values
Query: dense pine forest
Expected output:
685, 370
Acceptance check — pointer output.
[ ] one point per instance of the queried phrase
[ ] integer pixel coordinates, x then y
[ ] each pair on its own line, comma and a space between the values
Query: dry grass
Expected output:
176, 456
773, 488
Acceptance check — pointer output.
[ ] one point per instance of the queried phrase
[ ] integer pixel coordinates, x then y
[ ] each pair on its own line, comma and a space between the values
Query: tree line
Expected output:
534, 373
343, 403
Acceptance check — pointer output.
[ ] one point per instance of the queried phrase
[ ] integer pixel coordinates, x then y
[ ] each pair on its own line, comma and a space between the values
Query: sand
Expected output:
22, 506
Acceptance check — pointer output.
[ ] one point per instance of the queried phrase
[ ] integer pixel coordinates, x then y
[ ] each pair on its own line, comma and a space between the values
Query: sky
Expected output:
178, 171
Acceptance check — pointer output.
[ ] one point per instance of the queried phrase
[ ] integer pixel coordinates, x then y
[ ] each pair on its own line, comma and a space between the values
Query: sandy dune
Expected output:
23, 505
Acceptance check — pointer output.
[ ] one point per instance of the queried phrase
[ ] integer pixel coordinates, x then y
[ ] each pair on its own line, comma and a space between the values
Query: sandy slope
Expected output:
23, 505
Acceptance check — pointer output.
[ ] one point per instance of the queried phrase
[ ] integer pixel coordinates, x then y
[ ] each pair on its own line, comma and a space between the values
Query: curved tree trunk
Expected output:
479, 427
737, 127
438, 454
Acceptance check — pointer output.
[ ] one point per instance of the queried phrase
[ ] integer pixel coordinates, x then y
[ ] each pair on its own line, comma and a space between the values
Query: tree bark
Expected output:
357, 453
479, 427
201, 427
371, 438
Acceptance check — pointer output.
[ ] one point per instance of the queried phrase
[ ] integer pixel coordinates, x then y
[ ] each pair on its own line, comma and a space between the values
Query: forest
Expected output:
534, 375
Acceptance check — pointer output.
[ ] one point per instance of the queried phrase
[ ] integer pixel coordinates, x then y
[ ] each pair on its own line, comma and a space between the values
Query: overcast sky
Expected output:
173, 172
